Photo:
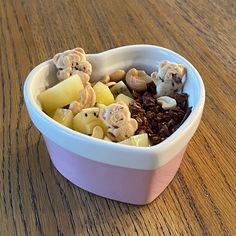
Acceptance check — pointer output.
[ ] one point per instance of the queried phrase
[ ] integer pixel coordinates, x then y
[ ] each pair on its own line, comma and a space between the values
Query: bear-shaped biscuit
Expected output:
169, 78
70, 62
118, 119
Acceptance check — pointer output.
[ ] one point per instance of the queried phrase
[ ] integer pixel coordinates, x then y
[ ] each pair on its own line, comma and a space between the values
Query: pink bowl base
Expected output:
123, 184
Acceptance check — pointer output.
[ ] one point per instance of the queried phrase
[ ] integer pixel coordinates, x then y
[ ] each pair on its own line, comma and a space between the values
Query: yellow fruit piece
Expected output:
61, 94
100, 106
87, 119
103, 94
140, 140
123, 98
64, 117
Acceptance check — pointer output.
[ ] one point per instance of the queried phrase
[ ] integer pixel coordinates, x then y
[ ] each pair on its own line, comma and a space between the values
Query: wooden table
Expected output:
36, 200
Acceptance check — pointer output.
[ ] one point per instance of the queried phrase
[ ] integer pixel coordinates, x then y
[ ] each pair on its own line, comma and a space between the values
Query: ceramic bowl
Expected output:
135, 175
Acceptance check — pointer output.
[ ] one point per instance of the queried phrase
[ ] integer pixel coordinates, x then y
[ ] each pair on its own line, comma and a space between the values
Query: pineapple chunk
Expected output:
64, 117
87, 119
103, 94
100, 106
61, 94
140, 140
127, 100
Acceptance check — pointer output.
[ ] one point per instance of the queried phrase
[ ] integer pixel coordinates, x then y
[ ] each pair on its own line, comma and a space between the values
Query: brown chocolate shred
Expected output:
155, 121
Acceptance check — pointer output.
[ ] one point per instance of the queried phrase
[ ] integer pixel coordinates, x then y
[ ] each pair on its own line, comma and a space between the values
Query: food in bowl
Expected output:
131, 108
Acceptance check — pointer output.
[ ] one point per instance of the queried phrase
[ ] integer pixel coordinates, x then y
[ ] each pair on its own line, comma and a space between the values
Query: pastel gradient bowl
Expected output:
135, 175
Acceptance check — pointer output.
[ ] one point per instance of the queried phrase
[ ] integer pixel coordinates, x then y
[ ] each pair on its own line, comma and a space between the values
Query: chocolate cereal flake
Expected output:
155, 121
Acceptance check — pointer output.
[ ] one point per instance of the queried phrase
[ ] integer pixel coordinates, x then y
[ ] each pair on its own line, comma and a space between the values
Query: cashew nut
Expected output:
137, 80
105, 79
75, 107
98, 132
117, 75
167, 102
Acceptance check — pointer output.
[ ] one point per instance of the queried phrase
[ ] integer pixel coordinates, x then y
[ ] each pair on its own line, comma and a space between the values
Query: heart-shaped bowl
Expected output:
135, 175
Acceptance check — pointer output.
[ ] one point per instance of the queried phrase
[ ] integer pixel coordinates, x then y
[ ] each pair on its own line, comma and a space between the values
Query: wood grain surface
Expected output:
36, 200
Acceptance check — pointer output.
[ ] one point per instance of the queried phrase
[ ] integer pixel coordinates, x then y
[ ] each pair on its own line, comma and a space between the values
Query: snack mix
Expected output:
131, 108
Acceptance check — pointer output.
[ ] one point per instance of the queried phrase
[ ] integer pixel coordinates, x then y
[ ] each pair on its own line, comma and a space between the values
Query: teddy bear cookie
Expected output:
169, 78
118, 119
72, 62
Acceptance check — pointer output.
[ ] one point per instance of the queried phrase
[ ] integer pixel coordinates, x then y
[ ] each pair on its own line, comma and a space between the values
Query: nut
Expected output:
137, 80
87, 99
98, 132
119, 122
169, 78
75, 107
117, 75
105, 79
167, 102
